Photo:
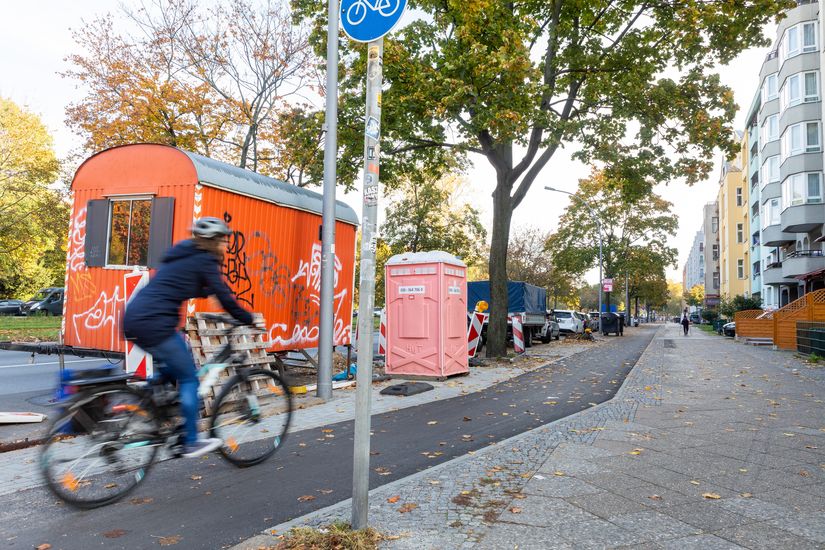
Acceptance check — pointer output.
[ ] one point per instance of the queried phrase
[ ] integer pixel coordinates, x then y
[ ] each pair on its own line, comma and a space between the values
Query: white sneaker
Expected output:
201, 447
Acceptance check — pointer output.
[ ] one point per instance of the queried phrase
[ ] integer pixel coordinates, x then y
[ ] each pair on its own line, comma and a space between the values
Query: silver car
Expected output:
550, 330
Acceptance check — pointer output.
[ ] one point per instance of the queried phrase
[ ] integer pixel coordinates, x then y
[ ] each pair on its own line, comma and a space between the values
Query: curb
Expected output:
269, 537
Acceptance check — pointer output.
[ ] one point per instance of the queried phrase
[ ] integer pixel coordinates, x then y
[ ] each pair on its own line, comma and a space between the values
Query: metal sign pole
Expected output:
369, 239
326, 326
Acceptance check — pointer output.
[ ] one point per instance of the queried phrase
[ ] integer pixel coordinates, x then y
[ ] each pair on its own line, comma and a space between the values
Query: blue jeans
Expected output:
179, 365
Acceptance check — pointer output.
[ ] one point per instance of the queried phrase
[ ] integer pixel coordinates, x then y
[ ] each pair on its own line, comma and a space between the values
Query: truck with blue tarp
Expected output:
528, 302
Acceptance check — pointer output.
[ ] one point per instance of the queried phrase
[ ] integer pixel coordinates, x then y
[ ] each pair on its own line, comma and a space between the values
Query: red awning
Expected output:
811, 275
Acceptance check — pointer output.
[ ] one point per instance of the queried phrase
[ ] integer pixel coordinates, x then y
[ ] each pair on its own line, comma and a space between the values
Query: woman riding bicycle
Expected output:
190, 269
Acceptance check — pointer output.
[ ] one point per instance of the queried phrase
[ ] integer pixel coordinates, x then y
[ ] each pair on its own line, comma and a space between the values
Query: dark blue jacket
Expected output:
186, 272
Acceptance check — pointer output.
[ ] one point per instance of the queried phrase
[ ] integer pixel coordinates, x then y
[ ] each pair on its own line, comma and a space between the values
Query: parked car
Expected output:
695, 318
11, 307
550, 331
569, 321
729, 329
47, 301
634, 321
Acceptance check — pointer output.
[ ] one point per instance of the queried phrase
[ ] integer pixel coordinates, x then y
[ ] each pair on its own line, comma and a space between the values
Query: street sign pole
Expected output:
369, 240
326, 326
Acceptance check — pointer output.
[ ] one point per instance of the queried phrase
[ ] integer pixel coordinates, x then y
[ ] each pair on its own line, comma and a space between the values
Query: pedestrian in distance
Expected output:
190, 269
685, 322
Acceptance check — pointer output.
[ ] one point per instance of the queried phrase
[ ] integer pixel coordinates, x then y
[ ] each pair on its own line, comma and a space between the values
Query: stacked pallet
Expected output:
207, 337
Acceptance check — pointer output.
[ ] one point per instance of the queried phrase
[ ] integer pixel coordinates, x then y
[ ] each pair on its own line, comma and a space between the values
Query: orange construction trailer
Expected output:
131, 203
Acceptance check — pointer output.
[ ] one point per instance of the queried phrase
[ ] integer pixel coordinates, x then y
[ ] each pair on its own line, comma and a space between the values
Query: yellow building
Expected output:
734, 229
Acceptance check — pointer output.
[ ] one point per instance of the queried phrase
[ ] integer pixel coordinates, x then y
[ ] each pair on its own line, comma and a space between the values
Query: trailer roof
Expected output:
225, 176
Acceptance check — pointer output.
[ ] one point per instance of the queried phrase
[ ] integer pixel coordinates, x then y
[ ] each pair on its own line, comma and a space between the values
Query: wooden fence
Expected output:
810, 307
754, 323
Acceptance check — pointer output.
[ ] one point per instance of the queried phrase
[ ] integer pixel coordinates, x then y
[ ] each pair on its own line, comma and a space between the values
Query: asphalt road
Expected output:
208, 503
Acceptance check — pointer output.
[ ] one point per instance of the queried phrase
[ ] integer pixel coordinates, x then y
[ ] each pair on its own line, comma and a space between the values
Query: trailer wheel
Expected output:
528, 338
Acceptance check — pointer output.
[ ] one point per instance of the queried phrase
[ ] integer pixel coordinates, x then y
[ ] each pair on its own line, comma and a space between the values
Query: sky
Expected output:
35, 38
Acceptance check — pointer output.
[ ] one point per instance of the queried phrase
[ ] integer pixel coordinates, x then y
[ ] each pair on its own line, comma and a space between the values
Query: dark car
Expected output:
729, 329
47, 301
11, 307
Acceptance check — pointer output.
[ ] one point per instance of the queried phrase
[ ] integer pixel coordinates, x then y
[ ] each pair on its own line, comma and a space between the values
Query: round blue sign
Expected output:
368, 20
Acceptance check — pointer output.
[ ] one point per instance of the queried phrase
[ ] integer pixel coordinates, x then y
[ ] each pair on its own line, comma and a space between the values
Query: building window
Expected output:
798, 39
755, 211
701, 247
809, 37
716, 280
770, 129
740, 269
738, 196
802, 189
811, 86
740, 232
800, 138
770, 170
769, 88
129, 232
770, 213
755, 239
714, 224
798, 88
715, 252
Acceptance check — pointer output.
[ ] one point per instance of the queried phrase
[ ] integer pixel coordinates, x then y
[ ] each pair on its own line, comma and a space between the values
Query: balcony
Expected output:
773, 236
802, 262
802, 218
772, 275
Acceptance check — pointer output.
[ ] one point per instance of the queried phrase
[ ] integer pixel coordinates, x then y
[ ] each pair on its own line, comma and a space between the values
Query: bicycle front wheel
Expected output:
251, 416
101, 447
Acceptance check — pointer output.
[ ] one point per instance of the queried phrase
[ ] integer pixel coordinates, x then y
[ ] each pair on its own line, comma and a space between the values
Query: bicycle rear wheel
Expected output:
101, 447
251, 415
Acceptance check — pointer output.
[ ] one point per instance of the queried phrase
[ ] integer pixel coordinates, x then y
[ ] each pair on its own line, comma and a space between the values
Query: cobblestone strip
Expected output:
468, 493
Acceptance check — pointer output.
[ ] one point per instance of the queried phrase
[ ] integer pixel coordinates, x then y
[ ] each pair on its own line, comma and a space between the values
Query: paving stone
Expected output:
707, 516
614, 481
544, 512
599, 533
765, 536
796, 500
654, 526
523, 537
703, 542
755, 508
653, 496
606, 505
559, 486
809, 526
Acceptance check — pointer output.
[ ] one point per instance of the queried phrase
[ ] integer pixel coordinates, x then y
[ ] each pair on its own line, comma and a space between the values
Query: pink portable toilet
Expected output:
426, 309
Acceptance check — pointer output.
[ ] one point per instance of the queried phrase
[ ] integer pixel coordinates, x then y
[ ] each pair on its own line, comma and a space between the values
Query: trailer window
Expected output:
129, 232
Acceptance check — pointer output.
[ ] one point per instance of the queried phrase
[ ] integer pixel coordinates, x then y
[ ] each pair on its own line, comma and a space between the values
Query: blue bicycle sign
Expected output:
368, 20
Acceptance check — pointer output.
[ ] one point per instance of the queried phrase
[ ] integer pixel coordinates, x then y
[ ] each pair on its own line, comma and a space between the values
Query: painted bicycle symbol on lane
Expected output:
357, 12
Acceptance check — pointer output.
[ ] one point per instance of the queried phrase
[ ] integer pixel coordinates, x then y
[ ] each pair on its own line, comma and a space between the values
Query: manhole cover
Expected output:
45, 400
670, 344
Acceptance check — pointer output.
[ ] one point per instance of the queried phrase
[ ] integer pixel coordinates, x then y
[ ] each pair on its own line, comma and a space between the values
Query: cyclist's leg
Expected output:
178, 364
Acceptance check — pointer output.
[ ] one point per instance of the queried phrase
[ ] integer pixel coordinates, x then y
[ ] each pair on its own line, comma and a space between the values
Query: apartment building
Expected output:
732, 208
710, 230
694, 270
789, 117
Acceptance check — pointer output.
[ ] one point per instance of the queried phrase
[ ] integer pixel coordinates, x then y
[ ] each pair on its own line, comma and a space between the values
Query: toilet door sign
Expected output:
412, 289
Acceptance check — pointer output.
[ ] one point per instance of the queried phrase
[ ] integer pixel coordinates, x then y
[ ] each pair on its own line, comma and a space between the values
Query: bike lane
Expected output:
208, 503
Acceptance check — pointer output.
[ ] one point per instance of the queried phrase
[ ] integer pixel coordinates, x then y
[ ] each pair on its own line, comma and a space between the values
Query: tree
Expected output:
673, 306
627, 84
727, 308
695, 296
215, 80
33, 217
529, 261
635, 231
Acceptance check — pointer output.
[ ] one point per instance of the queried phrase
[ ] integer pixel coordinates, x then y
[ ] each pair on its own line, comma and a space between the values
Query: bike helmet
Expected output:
209, 228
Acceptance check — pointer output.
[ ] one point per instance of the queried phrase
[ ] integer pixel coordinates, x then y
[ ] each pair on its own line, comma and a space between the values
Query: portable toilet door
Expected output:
426, 315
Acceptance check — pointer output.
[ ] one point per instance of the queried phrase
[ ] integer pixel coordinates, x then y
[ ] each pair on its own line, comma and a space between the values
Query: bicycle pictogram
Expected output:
358, 11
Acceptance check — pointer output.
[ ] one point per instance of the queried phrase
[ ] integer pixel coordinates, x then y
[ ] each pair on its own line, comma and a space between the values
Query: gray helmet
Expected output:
209, 228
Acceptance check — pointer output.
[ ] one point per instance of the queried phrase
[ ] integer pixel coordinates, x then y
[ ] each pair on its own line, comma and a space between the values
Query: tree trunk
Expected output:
497, 327
636, 314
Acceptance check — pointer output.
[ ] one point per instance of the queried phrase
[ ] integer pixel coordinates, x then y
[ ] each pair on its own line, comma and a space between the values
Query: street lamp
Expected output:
599, 225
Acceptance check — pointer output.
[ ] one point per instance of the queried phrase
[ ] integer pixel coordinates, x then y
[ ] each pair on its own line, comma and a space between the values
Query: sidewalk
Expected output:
18, 469
709, 443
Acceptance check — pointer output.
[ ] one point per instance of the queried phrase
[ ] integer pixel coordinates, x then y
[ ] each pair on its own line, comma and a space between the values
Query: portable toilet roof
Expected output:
431, 257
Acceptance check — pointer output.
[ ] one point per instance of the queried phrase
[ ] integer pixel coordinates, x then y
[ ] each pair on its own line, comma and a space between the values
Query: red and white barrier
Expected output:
518, 334
382, 333
137, 360
477, 319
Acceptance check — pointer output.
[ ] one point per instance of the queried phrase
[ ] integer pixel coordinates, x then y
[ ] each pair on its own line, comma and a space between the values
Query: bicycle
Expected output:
357, 12
108, 437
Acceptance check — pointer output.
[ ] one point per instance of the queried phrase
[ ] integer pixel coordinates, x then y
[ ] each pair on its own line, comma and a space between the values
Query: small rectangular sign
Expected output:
454, 290
418, 289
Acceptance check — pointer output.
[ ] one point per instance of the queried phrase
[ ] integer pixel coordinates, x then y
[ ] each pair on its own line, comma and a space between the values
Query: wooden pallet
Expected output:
207, 337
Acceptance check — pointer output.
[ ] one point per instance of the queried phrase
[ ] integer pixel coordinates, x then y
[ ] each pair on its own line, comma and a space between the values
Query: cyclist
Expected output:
190, 269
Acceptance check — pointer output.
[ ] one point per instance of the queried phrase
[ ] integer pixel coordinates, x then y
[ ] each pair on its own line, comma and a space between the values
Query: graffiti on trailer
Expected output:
234, 267
272, 275
75, 257
104, 312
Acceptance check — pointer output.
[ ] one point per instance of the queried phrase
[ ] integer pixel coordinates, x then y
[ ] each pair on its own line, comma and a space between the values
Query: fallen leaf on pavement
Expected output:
743, 470
45, 546
144, 500
435, 482
432, 422
655, 497
694, 482
327, 431
712, 496
467, 419
787, 434
114, 533
382, 471
393, 500
305, 498
169, 541
804, 473
746, 495
558, 473
515, 510
325, 491
110, 485
409, 507
195, 477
